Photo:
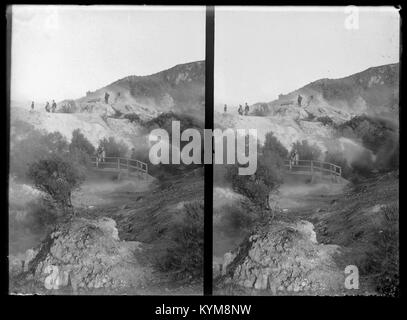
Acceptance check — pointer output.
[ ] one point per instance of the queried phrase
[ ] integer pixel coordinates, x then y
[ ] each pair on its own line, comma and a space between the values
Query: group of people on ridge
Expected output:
52, 107
48, 107
239, 110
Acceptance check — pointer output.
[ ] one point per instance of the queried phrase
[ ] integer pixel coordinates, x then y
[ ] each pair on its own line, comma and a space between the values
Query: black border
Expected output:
209, 120
142, 307
6, 146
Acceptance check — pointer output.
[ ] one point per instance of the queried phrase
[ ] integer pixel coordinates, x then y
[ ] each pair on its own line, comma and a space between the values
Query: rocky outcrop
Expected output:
87, 254
284, 258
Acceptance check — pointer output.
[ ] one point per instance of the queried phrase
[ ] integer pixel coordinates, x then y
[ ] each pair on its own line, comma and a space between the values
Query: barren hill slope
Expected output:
324, 102
374, 91
178, 89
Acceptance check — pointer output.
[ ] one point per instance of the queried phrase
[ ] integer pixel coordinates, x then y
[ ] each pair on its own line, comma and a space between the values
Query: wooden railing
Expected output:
313, 166
121, 164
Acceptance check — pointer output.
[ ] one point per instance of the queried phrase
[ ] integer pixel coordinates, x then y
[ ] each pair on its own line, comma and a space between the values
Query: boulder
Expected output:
88, 254
286, 257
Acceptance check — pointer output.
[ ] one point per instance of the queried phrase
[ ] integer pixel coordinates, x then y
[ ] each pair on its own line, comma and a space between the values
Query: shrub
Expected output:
272, 145
28, 145
164, 121
388, 253
114, 148
235, 217
388, 156
374, 132
363, 165
56, 143
325, 120
80, 158
307, 151
42, 215
80, 142
186, 258
378, 135
241, 217
360, 167
270, 166
80, 149
310, 116
133, 117
254, 189
57, 178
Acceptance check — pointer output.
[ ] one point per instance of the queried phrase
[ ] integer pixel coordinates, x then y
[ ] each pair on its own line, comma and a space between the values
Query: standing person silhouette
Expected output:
54, 106
296, 157
240, 110
103, 154
299, 100
246, 109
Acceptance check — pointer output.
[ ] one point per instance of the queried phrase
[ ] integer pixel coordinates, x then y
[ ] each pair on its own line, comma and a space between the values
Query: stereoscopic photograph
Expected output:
318, 212
92, 209
113, 166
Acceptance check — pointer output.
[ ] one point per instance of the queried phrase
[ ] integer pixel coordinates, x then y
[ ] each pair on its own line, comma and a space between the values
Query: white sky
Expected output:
260, 53
61, 52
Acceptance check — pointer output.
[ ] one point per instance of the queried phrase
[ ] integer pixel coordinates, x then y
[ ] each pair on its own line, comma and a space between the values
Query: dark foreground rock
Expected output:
85, 254
283, 258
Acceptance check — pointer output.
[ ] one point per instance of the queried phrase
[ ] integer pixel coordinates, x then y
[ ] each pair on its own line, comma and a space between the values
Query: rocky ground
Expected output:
85, 254
284, 258
112, 244
304, 249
